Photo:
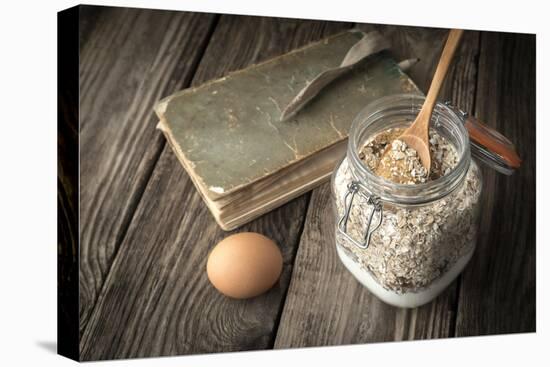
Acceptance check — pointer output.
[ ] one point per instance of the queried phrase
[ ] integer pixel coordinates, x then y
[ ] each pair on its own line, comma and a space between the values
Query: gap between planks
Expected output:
434, 320
127, 347
147, 173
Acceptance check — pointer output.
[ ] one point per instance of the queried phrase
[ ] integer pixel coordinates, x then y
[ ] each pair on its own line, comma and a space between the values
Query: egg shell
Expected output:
244, 265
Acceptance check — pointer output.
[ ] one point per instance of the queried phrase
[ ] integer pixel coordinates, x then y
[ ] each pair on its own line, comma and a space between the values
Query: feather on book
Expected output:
245, 161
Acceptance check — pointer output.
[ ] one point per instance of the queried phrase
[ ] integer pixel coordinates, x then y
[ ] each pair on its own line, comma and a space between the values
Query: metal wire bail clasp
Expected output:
354, 188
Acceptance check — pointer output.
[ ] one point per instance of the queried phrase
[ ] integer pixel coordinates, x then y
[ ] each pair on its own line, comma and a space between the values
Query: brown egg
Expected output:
244, 265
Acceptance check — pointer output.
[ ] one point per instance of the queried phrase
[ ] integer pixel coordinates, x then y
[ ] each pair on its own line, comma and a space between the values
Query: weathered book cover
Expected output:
228, 133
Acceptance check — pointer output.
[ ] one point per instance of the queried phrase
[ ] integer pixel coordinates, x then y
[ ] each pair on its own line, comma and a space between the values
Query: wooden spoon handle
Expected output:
451, 45
493, 141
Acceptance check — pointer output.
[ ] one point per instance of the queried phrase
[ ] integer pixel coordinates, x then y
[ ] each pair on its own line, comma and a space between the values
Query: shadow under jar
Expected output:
406, 243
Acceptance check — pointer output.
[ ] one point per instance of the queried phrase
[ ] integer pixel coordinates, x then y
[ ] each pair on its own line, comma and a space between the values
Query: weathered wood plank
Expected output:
157, 299
325, 305
497, 294
89, 17
131, 58
427, 44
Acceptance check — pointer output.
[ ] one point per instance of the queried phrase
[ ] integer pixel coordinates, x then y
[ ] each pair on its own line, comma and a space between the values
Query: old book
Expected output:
242, 158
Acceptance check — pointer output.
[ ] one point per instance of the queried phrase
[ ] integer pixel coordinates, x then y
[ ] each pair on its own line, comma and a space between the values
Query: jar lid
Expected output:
488, 145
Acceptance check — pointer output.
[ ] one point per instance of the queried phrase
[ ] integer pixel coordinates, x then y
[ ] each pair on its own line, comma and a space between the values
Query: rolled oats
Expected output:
414, 245
392, 159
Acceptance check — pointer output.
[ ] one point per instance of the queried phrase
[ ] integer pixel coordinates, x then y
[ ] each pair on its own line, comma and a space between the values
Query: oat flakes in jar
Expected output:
405, 233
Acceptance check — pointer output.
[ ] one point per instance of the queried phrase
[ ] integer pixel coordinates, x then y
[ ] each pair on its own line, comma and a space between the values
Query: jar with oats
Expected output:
405, 233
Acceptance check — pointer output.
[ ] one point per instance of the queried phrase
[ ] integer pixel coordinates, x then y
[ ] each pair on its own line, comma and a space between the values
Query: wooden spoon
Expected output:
416, 136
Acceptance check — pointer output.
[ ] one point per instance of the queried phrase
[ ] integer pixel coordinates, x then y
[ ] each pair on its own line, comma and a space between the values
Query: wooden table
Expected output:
145, 232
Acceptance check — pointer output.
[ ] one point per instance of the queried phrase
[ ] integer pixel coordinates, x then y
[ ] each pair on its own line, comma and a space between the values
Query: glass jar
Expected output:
406, 243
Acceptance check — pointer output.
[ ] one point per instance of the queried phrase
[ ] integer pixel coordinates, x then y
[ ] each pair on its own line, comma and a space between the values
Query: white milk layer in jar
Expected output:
406, 242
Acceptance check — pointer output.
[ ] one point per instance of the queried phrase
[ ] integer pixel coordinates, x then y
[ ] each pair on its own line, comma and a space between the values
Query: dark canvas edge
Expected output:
68, 183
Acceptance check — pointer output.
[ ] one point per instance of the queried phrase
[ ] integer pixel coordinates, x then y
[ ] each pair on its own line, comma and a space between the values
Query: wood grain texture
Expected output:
88, 15
146, 233
325, 305
427, 44
497, 294
157, 299
131, 58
